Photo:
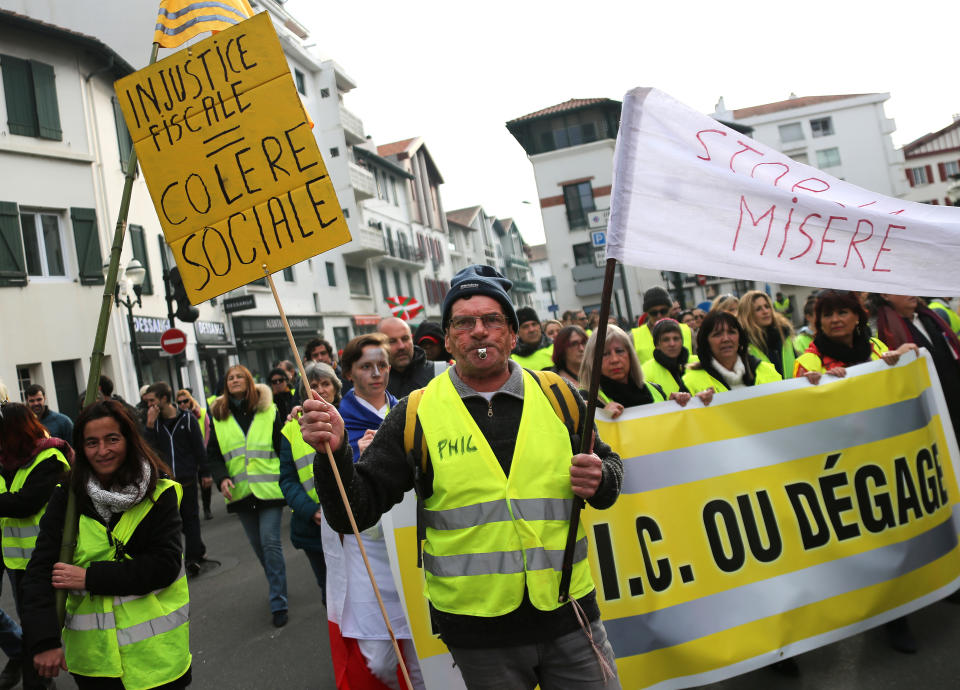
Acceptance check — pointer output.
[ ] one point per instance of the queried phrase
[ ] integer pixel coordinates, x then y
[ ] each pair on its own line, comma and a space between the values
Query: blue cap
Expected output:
480, 280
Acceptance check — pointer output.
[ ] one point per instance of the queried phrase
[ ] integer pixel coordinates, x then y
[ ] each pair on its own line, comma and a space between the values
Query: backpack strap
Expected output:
417, 459
562, 399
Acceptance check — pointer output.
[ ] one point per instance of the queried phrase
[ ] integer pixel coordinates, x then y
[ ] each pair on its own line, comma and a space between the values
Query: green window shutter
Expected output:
13, 271
18, 93
87, 239
123, 134
45, 92
139, 244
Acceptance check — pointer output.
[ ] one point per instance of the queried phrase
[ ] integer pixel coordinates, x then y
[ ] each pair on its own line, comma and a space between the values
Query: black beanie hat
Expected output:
525, 314
480, 280
664, 326
655, 297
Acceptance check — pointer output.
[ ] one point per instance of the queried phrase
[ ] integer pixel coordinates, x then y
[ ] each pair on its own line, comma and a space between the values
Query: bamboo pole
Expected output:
336, 475
586, 438
68, 541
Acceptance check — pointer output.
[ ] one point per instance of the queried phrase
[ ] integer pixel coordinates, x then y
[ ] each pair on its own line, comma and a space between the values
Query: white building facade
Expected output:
570, 146
932, 164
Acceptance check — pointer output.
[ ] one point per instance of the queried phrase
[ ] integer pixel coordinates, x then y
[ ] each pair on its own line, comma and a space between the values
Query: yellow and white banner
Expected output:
776, 520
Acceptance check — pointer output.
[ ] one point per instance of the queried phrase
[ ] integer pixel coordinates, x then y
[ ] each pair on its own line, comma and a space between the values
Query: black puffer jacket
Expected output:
418, 374
154, 551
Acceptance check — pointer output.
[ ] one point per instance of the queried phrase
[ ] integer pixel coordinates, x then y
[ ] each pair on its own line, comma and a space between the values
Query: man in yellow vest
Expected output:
533, 350
499, 465
657, 304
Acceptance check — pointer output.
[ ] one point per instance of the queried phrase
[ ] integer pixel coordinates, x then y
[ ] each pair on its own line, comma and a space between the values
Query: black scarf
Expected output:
775, 348
675, 365
627, 394
858, 354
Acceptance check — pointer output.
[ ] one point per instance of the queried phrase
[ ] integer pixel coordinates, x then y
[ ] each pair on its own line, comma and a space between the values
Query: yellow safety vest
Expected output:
303, 454
657, 373
20, 534
490, 536
800, 344
142, 639
252, 463
698, 380
541, 359
947, 314
643, 341
786, 352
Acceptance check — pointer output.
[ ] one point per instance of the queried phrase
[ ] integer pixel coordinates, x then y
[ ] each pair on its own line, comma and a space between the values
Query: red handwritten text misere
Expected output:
743, 157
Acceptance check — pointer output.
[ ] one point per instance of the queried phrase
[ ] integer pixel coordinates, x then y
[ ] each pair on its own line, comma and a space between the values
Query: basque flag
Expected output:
405, 308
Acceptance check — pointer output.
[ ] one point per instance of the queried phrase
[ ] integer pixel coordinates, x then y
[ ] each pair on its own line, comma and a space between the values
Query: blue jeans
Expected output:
11, 636
263, 532
319, 571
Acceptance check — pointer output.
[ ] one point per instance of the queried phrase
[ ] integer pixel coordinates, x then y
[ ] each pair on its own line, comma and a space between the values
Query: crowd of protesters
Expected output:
244, 439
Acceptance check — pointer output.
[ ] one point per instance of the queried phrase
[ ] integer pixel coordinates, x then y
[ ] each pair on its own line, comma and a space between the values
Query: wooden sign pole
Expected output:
336, 475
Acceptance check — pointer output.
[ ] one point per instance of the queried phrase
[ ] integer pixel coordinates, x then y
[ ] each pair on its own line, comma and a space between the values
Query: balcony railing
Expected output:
352, 126
524, 286
361, 179
366, 242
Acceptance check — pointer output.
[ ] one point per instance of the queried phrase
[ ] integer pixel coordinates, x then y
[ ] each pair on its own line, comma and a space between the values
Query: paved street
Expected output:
235, 647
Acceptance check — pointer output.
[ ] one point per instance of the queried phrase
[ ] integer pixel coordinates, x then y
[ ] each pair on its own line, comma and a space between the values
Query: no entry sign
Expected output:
173, 341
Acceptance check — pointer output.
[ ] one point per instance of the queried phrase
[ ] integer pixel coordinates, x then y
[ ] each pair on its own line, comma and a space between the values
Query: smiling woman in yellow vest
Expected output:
127, 616
621, 378
724, 362
31, 464
244, 457
768, 331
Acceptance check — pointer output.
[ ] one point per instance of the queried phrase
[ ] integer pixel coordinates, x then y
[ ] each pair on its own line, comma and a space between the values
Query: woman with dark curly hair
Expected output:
843, 337
127, 617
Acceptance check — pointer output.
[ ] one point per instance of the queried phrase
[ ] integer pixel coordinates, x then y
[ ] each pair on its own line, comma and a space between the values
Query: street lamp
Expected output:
131, 278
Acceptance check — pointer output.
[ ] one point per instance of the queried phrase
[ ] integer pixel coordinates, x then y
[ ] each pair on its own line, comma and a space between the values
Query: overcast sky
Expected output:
454, 73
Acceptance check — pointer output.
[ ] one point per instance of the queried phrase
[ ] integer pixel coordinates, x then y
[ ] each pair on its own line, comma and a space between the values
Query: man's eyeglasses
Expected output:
277, 382
468, 323
183, 402
663, 311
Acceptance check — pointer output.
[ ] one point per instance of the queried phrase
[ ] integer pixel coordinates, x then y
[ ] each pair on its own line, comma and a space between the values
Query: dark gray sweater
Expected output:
382, 476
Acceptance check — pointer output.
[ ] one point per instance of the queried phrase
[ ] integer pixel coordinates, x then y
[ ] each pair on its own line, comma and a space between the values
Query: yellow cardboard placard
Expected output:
230, 160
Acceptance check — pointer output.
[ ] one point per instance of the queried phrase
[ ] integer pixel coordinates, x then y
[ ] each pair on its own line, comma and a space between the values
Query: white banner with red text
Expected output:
692, 195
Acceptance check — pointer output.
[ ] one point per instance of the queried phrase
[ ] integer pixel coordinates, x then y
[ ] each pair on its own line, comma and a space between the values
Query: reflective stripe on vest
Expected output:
643, 341
489, 536
20, 534
252, 463
142, 639
303, 454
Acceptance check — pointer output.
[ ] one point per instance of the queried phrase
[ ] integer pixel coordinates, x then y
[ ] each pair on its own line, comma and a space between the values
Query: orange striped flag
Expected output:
181, 20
